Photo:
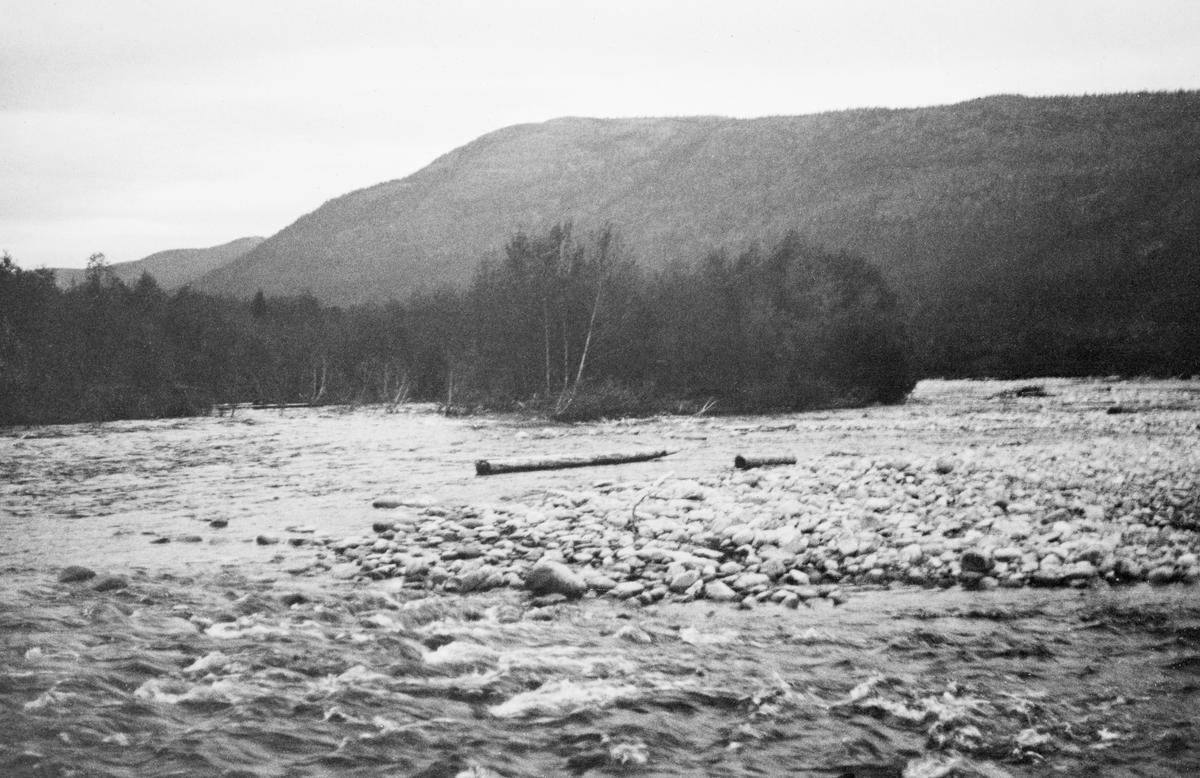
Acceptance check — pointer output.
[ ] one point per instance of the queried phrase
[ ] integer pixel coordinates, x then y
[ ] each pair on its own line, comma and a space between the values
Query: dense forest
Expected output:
566, 324
562, 324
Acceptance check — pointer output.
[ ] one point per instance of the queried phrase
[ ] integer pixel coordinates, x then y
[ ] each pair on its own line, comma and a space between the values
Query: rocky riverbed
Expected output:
787, 534
991, 580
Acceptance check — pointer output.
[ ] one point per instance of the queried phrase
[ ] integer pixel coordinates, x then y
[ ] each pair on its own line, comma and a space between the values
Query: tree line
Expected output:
561, 323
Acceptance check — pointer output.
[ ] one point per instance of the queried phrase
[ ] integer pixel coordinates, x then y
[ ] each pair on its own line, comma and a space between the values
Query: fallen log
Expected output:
222, 407
496, 467
745, 463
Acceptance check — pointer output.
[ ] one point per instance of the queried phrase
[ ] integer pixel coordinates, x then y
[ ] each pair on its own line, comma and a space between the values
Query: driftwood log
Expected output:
497, 466
745, 463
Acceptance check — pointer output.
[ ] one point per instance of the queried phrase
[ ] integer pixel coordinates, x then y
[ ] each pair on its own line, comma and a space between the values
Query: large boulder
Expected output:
977, 561
75, 574
549, 577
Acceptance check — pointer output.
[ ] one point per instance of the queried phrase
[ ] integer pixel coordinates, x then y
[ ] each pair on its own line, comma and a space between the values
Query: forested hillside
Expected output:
1022, 236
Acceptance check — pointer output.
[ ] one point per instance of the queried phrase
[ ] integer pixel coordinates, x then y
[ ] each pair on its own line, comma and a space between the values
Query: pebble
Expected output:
799, 577
1051, 576
600, 583
748, 581
628, 589
684, 580
719, 592
1081, 570
634, 634
345, 570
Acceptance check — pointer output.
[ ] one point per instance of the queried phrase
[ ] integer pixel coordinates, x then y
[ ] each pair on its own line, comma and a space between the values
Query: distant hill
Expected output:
1053, 186
171, 269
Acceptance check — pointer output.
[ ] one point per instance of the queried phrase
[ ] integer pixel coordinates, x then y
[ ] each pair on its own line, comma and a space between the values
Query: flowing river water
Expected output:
204, 647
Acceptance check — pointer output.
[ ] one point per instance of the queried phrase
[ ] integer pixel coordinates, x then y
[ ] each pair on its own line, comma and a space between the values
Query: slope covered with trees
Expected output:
1021, 235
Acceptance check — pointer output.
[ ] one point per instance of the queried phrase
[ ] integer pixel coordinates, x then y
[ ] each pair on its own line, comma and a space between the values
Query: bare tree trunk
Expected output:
546, 334
318, 385
587, 342
566, 356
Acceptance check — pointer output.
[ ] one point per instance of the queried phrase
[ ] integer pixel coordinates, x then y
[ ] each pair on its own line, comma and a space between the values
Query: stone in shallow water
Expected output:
76, 573
548, 577
750, 580
1161, 575
107, 583
970, 579
798, 577
719, 592
1081, 570
684, 580
634, 634
628, 589
977, 561
1048, 576
476, 580
344, 570
1127, 569
465, 551
1008, 554
601, 583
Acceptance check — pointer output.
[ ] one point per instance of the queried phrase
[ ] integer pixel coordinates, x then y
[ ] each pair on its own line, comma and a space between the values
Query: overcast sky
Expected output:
132, 127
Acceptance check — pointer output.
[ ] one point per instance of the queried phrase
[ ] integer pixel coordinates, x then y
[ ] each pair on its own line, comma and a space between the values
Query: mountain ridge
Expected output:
975, 186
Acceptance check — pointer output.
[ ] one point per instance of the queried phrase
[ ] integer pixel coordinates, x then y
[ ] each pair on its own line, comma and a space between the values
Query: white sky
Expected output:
137, 126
